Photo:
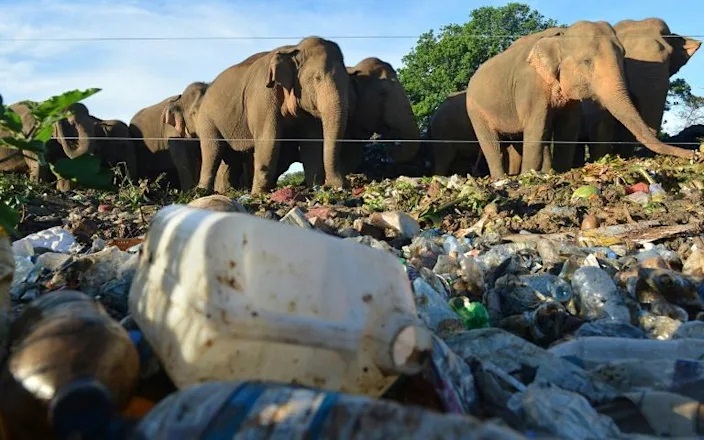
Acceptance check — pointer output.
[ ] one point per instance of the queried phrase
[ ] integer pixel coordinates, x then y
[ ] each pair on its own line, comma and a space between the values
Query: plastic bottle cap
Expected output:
83, 406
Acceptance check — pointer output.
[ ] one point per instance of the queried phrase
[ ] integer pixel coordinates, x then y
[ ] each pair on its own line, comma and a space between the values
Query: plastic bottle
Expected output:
70, 369
597, 295
473, 314
270, 410
231, 296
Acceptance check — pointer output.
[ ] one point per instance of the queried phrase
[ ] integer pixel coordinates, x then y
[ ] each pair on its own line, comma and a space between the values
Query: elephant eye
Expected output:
318, 77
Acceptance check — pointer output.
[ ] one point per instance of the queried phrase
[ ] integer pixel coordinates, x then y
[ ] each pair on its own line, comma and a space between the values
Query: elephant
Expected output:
83, 133
253, 104
27, 162
450, 122
165, 136
378, 103
534, 89
653, 55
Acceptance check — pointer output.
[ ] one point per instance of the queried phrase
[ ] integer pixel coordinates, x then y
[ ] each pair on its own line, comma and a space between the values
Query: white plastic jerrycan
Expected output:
231, 296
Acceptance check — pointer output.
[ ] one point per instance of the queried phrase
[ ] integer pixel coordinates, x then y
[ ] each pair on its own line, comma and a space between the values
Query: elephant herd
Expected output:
546, 97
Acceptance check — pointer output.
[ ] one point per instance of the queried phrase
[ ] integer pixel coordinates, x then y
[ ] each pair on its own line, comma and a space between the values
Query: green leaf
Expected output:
11, 120
59, 103
84, 170
585, 192
44, 133
9, 218
23, 144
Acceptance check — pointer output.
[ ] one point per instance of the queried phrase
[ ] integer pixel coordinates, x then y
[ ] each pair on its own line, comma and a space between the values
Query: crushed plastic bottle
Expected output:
71, 366
263, 410
597, 295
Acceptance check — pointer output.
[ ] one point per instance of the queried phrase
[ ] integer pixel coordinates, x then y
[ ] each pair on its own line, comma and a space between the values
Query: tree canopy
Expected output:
441, 64
690, 106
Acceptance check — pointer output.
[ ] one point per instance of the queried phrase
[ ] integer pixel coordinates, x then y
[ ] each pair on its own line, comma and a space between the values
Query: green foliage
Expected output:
441, 64
690, 106
296, 178
83, 170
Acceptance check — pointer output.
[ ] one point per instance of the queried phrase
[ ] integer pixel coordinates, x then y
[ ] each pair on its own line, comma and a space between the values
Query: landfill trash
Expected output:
205, 297
265, 410
690, 329
57, 239
218, 202
473, 314
597, 295
7, 269
400, 222
70, 367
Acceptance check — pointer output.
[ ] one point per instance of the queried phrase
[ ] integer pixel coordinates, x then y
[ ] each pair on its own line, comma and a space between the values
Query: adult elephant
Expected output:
81, 130
166, 139
528, 88
378, 103
653, 55
254, 103
109, 140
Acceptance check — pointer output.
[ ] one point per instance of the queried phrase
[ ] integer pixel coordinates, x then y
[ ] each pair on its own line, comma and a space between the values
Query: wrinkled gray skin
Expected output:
651, 60
253, 103
171, 143
378, 103
27, 161
536, 85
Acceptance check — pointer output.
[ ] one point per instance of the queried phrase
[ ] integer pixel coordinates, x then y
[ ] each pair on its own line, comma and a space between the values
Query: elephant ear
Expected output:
282, 73
683, 50
545, 59
172, 115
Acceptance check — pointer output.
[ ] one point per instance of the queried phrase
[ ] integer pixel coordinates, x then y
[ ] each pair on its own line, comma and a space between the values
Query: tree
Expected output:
690, 106
441, 64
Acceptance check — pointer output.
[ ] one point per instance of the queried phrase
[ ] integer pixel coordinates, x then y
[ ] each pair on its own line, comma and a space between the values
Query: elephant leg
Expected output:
266, 159
490, 145
566, 129
444, 154
179, 149
211, 153
602, 138
534, 136
514, 160
311, 154
580, 150
547, 159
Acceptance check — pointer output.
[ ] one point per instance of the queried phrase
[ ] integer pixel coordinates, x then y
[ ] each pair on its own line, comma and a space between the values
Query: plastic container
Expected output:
256, 410
71, 369
231, 296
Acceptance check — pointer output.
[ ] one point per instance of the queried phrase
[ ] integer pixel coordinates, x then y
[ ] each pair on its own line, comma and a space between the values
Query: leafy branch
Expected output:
16, 135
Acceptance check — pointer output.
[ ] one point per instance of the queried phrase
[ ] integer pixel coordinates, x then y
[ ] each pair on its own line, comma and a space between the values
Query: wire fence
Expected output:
366, 141
299, 37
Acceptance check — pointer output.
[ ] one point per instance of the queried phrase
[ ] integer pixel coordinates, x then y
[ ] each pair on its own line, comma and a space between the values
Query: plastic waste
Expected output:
230, 296
565, 414
597, 295
452, 379
400, 222
7, 270
473, 314
526, 362
57, 239
657, 413
218, 202
594, 350
270, 410
71, 367
690, 329
611, 328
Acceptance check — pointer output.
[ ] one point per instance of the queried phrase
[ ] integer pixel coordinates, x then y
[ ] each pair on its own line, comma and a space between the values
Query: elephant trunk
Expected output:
333, 105
74, 147
400, 118
613, 94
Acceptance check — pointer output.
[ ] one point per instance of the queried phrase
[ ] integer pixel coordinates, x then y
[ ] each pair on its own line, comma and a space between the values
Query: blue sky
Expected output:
137, 73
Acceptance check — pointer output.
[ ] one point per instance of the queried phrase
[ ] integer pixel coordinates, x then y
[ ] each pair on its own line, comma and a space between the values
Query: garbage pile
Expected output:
327, 323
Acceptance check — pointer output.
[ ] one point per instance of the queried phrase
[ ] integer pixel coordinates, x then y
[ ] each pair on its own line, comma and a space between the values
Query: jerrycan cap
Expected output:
82, 406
